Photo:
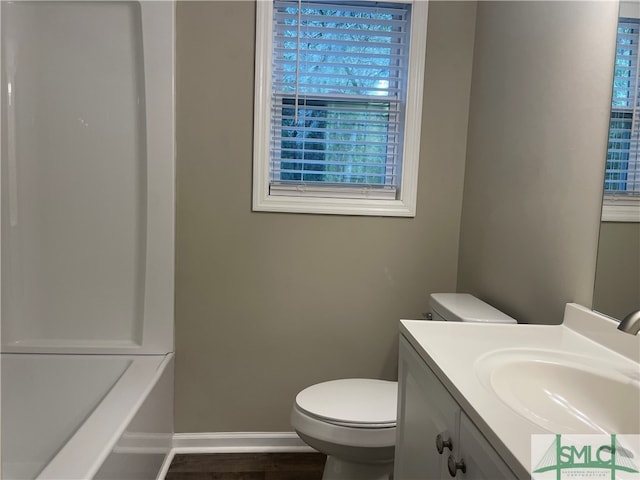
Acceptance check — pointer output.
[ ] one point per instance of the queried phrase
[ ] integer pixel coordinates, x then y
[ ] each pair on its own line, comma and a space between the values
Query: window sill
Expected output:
334, 206
615, 209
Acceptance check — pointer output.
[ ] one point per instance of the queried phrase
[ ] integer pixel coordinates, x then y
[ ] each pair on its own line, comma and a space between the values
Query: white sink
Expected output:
565, 393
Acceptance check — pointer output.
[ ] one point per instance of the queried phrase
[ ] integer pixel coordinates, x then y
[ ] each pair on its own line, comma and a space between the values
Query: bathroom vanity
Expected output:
436, 438
471, 396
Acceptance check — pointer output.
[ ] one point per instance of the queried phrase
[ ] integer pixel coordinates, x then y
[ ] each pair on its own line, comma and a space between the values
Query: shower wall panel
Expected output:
75, 173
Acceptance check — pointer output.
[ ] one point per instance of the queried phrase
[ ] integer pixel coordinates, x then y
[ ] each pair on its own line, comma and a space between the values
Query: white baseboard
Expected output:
239, 442
165, 465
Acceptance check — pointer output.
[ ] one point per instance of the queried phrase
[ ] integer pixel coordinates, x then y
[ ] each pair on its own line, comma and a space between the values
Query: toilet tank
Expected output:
463, 307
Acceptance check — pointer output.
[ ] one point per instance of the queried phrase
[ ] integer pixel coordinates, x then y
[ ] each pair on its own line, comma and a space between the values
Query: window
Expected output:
622, 174
338, 106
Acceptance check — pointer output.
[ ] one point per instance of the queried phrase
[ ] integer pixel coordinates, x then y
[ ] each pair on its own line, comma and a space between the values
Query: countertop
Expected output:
452, 350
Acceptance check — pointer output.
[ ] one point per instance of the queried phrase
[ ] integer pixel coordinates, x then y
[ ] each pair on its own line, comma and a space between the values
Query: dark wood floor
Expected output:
247, 466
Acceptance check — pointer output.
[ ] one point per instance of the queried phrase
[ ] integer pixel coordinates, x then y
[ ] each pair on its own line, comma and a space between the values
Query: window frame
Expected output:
364, 200
620, 207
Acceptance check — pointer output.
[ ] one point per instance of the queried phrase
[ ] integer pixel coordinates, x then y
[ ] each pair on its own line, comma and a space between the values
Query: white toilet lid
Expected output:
353, 401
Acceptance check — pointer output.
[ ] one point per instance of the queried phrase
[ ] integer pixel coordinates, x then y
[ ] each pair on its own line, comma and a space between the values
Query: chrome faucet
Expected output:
631, 323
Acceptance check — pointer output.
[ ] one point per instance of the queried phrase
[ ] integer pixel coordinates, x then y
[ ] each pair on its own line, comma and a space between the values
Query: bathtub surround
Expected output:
88, 177
87, 239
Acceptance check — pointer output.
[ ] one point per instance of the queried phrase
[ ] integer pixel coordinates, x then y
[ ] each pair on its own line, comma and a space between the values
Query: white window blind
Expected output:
622, 177
339, 76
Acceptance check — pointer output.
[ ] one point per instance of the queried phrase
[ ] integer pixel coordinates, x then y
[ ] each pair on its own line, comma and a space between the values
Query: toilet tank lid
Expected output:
463, 307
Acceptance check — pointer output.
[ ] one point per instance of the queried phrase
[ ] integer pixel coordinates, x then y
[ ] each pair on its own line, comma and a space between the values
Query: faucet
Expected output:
631, 323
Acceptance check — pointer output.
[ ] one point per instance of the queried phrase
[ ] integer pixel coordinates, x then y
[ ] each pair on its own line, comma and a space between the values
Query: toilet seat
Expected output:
354, 403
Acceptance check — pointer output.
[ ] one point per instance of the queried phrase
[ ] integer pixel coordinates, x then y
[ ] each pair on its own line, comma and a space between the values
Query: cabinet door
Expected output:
425, 410
481, 461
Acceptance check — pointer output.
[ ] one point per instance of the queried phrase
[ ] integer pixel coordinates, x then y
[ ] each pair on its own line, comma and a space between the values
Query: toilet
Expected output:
353, 421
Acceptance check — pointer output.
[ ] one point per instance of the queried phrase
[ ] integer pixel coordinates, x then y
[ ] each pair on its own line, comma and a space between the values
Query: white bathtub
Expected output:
67, 417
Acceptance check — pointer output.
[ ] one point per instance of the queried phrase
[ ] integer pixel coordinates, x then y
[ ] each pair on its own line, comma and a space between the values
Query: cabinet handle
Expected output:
441, 443
455, 466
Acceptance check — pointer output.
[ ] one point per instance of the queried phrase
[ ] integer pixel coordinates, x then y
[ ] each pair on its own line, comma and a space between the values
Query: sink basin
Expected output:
565, 393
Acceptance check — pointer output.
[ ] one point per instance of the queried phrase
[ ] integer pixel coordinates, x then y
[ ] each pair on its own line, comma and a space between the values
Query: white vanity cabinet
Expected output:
435, 439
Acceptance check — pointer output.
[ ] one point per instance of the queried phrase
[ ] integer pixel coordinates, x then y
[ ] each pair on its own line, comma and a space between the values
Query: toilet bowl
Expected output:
353, 421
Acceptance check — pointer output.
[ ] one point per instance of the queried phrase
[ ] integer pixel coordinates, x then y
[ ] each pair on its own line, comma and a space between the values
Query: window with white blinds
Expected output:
623, 156
622, 174
342, 85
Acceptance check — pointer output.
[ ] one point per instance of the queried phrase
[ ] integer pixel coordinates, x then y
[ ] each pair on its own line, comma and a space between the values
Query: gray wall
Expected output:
269, 303
617, 289
535, 154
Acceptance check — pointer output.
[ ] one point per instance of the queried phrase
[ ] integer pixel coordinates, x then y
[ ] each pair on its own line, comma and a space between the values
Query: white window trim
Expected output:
405, 206
616, 208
